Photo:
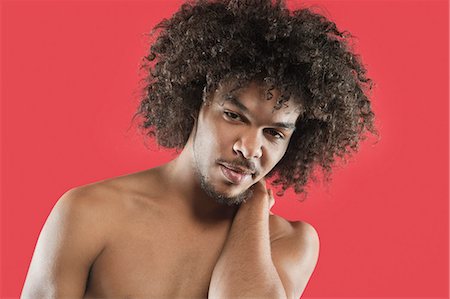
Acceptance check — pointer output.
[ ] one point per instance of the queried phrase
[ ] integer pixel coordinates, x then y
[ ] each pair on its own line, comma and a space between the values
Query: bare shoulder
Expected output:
118, 194
295, 252
305, 231
80, 226
73, 236
88, 202
98, 209
282, 228
85, 212
294, 235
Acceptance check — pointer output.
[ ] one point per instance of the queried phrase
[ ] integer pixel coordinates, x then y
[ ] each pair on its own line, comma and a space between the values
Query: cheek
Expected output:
226, 135
220, 129
216, 136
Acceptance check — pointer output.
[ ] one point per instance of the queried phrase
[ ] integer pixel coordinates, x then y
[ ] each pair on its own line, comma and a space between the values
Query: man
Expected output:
247, 91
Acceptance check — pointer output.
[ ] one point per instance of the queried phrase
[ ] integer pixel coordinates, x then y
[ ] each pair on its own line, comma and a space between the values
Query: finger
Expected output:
271, 201
259, 188
263, 182
271, 198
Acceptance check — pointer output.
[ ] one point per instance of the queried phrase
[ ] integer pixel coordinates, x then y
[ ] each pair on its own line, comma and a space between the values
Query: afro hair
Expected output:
301, 53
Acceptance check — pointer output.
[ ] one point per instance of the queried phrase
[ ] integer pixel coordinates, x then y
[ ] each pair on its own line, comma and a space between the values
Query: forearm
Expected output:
245, 267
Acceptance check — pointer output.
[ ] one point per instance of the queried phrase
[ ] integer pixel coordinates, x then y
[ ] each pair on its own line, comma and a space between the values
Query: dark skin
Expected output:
158, 234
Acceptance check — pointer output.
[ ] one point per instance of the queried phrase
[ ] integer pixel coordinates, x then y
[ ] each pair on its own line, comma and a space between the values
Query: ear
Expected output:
194, 118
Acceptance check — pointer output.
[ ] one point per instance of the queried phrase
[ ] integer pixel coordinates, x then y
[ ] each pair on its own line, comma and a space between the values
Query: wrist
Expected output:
255, 208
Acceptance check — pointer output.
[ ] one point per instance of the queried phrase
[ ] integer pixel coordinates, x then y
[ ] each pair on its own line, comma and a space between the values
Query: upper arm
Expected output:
295, 257
69, 242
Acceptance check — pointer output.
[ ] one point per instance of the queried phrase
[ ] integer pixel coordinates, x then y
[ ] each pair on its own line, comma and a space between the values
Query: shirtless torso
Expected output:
155, 249
136, 242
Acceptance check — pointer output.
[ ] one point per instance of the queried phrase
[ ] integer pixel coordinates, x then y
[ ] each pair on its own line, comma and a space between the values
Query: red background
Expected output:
69, 75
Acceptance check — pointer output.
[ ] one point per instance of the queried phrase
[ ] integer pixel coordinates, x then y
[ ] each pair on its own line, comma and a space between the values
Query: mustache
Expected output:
241, 163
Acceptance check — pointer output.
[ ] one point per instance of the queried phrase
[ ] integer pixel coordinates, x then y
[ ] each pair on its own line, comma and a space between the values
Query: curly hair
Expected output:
301, 53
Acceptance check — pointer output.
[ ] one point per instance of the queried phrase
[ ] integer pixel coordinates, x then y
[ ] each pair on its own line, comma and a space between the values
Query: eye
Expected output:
275, 133
232, 115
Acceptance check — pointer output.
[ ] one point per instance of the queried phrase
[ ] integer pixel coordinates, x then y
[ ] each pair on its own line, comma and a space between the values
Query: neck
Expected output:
184, 186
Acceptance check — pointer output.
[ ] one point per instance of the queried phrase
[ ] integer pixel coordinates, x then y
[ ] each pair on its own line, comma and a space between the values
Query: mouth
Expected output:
238, 169
235, 175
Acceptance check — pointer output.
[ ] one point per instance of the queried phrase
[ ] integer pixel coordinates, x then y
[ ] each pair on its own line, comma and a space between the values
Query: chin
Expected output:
227, 193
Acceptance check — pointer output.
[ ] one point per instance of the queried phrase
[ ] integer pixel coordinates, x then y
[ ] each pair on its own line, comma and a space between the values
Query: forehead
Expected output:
257, 98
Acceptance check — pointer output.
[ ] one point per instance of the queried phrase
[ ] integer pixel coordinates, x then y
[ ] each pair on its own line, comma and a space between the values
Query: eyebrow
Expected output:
231, 98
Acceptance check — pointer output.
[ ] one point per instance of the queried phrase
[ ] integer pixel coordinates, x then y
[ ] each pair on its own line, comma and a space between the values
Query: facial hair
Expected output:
222, 198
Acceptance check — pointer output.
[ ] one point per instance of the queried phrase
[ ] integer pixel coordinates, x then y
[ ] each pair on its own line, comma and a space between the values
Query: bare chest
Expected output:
160, 259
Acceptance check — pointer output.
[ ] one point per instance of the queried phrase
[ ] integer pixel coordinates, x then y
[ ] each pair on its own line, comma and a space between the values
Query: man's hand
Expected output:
261, 199
271, 198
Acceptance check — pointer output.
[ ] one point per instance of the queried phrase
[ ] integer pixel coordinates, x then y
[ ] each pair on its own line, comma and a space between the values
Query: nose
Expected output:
249, 146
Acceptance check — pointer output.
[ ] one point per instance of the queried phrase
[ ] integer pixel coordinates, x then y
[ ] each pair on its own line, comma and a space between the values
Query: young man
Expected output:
247, 90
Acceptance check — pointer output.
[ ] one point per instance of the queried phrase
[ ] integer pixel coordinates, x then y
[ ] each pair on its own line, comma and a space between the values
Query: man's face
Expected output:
238, 139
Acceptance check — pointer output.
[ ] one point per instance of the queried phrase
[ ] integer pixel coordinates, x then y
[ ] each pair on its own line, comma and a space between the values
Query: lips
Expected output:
234, 175
237, 169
